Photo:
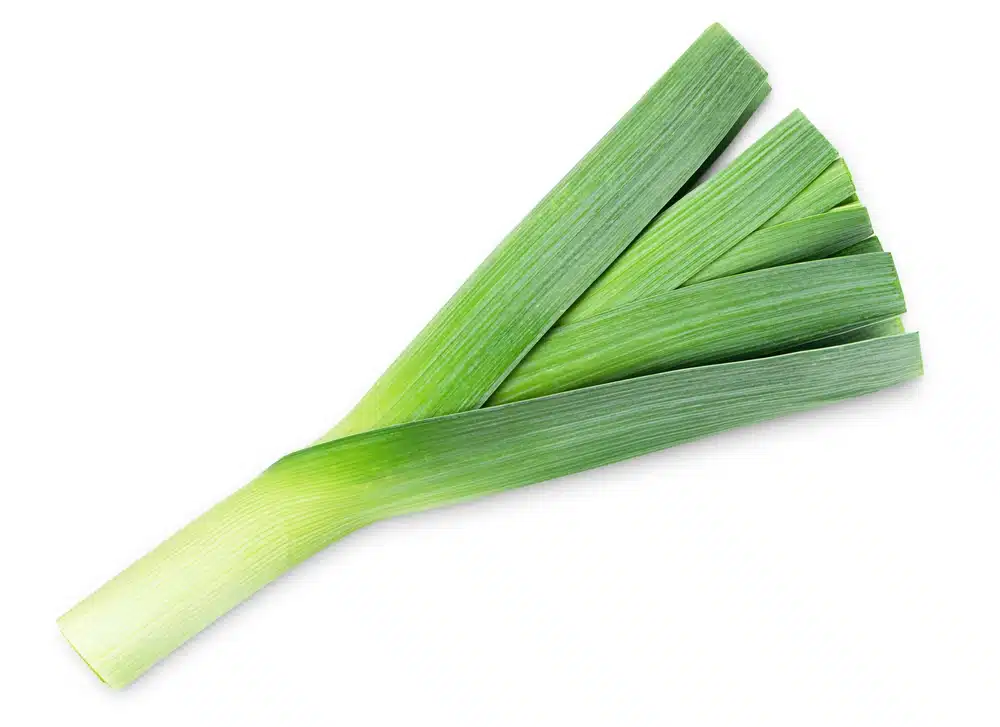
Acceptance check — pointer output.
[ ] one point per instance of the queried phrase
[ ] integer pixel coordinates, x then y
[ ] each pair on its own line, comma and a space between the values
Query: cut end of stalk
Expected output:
64, 630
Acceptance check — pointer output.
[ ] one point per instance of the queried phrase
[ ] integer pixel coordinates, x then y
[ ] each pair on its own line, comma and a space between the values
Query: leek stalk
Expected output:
313, 497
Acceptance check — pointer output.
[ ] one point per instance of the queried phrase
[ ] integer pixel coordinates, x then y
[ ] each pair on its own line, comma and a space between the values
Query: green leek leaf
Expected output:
742, 316
879, 329
833, 187
702, 174
713, 218
889, 327
807, 238
569, 239
871, 244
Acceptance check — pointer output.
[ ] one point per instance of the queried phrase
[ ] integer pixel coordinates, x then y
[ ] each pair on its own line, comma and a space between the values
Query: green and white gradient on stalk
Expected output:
312, 498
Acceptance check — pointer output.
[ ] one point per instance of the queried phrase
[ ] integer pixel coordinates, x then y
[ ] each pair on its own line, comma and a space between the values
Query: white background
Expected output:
220, 221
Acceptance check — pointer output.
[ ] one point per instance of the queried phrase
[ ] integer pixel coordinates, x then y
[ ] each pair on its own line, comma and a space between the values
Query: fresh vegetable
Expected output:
637, 307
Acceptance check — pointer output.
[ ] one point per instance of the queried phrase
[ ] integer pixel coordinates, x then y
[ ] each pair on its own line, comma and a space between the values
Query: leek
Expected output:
315, 496
635, 308
568, 240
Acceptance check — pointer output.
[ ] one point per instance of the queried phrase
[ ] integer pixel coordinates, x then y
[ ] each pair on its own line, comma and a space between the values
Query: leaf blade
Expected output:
713, 218
568, 240
742, 316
